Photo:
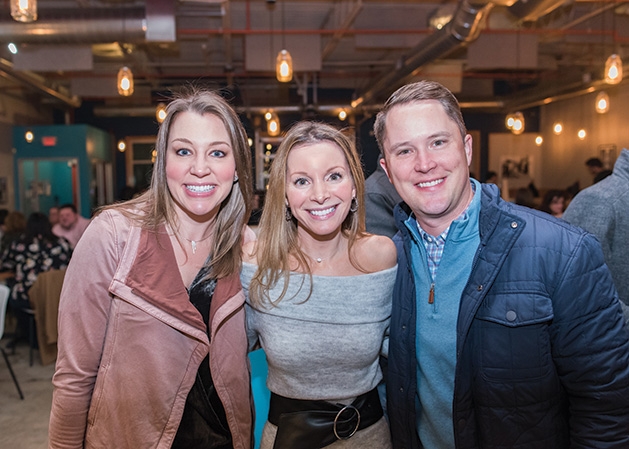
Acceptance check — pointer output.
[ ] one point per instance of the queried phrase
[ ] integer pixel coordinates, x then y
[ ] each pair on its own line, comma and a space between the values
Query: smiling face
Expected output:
319, 188
427, 161
200, 165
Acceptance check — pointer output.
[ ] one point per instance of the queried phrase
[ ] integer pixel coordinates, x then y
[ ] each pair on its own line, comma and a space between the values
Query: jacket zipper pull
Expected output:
431, 294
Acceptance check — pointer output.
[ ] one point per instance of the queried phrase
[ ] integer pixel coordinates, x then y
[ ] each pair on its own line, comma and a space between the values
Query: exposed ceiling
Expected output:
494, 54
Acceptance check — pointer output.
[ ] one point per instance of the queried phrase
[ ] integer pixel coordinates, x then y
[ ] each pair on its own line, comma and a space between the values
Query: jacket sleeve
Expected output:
591, 350
83, 316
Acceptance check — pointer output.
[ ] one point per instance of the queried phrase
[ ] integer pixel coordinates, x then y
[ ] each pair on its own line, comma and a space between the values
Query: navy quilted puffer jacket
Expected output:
542, 351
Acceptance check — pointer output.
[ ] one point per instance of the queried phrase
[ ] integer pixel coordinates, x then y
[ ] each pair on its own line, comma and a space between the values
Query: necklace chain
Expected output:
193, 243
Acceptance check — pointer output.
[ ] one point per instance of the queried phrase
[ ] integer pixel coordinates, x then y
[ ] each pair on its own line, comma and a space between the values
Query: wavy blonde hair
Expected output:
156, 206
277, 241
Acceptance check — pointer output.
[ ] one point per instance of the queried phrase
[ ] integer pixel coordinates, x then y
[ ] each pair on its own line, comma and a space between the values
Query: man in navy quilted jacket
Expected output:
506, 330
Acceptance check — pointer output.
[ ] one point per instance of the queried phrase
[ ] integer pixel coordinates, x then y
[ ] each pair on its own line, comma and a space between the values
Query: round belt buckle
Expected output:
336, 418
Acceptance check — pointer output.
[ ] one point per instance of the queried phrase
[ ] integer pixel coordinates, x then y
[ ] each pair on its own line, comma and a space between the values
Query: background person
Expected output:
319, 292
596, 169
554, 202
380, 199
36, 250
500, 314
603, 209
71, 225
152, 342
14, 227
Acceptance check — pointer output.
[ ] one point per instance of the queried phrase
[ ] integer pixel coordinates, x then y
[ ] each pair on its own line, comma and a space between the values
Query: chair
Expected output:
4, 301
44, 297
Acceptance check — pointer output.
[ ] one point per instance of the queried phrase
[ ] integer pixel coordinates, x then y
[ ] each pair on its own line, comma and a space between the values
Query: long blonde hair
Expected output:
156, 206
277, 241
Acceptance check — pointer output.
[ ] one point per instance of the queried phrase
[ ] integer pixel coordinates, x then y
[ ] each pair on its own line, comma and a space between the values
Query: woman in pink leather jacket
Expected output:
152, 345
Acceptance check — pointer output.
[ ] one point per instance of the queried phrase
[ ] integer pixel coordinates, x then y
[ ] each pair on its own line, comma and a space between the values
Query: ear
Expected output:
383, 164
468, 148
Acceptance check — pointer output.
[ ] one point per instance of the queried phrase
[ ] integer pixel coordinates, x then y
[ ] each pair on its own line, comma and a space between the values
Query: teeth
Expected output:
431, 183
320, 213
199, 189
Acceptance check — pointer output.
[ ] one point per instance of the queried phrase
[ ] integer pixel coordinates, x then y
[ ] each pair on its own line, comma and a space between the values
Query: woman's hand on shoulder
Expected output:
378, 252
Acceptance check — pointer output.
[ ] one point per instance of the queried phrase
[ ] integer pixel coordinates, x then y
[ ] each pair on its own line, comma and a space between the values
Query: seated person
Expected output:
36, 251
71, 225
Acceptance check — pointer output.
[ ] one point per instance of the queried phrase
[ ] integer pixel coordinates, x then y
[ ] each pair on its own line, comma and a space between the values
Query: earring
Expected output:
354, 206
289, 214
235, 178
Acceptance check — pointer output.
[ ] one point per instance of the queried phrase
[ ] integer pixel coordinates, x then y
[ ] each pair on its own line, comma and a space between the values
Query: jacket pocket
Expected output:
512, 330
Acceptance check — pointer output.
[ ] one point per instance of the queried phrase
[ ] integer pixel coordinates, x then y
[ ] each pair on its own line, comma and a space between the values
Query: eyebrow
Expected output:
188, 141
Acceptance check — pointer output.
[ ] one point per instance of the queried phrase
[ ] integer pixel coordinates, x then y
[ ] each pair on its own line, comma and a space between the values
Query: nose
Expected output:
320, 192
424, 161
200, 166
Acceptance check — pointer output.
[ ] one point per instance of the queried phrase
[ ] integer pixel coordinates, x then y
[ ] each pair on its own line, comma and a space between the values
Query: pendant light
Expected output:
613, 64
272, 124
284, 61
516, 121
613, 69
24, 10
284, 66
602, 102
160, 112
125, 81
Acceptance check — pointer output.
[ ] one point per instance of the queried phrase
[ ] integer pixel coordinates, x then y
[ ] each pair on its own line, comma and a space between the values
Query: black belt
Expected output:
306, 424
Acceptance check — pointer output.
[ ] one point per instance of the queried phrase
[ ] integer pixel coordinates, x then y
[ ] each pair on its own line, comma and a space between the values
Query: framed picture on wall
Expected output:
607, 155
4, 194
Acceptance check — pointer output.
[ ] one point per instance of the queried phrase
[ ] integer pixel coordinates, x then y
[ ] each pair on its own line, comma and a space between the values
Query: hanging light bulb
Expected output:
557, 128
122, 145
342, 115
602, 102
613, 69
509, 120
160, 112
29, 136
273, 125
284, 66
539, 140
125, 81
518, 123
24, 10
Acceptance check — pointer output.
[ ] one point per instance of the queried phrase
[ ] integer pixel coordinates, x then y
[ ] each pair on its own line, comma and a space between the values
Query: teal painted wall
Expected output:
83, 143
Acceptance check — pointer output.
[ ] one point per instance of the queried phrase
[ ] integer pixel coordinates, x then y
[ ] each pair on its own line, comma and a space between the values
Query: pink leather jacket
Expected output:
130, 343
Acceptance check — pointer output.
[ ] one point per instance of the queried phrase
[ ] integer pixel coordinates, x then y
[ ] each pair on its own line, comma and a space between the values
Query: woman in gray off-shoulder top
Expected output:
319, 297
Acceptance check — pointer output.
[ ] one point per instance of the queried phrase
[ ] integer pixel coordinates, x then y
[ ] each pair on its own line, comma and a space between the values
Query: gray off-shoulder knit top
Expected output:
326, 347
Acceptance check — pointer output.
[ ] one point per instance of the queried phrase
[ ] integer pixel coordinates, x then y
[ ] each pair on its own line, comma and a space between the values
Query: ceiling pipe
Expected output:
463, 28
84, 26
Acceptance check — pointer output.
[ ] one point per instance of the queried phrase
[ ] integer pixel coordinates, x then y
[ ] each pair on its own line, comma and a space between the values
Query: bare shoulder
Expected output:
376, 252
248, 251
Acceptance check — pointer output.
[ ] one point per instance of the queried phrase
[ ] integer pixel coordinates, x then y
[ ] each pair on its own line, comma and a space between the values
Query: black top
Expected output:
204, 423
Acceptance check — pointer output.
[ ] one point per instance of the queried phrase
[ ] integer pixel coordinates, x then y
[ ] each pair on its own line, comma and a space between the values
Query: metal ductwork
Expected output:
464, 28
78, 26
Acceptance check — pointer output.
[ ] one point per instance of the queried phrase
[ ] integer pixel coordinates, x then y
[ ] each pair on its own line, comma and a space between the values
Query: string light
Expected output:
613, 69
122, 145
557, 128
29, 136
539, 140
518, 123
581, 134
